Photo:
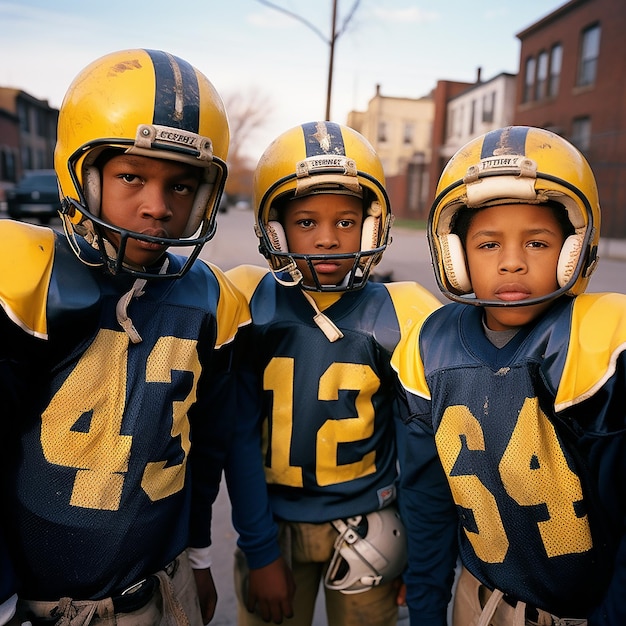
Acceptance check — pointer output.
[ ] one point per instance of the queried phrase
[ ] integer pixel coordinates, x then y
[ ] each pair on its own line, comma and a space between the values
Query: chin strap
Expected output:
121, 310
325, 324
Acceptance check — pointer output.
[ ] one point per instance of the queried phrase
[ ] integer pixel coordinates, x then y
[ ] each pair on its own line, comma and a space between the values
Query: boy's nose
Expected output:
512, 260
155, 203
327, 237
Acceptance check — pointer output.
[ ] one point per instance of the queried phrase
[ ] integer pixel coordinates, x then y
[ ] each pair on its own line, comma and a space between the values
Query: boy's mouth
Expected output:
511, 292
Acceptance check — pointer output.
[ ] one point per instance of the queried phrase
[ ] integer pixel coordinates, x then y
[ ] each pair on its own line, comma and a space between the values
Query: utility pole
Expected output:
330, 41
333, 37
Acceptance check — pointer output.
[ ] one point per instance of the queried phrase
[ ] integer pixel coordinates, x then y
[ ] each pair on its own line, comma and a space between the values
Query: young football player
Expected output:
520, 384
116, 356
322, 341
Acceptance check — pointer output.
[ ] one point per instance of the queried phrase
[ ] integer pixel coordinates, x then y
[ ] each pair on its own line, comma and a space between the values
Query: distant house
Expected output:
28, 134
400, 131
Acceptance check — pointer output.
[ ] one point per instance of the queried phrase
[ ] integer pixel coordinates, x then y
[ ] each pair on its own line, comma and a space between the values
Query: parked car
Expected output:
36, 195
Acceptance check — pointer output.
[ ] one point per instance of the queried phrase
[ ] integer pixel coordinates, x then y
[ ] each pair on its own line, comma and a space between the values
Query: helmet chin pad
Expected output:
453, 258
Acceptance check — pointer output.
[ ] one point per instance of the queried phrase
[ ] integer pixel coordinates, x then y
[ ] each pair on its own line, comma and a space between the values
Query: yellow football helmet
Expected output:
515, 164
145, 102
312, 158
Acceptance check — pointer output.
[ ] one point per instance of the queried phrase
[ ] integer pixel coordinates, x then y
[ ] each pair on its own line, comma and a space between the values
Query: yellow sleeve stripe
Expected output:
26, 261
413, 304
232, 309
597, 338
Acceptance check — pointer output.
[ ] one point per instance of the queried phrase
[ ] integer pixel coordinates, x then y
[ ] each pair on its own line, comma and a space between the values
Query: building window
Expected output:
589, 50
489, 105
382, 132
7, 165
541, 85
472, 118
581, 133
409, 131
529, 79
556, 59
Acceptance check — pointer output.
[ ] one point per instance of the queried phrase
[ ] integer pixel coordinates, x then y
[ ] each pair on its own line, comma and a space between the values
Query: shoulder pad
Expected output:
26, 261
413, 304
247, 278
597, 338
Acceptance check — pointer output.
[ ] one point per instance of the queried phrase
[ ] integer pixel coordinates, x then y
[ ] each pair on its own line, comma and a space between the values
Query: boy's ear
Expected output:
453, 259
276, 233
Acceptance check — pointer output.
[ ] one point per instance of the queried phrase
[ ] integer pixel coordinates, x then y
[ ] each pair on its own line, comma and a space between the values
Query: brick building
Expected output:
572, 80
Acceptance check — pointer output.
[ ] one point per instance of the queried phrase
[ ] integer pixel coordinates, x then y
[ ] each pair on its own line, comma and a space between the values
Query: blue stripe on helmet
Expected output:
323, 138
177, 96
511, 140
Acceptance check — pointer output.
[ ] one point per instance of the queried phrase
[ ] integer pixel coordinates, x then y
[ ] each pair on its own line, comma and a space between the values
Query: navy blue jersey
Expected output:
328, 407
103, 485
531, 441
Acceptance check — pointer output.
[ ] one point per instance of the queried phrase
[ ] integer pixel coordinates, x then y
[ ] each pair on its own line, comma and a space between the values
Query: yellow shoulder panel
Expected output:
597, 338
247, 278
26, 259
413, 304
232, 309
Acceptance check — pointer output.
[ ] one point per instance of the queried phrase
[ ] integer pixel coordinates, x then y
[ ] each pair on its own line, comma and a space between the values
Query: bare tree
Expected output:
247, 112
330, 41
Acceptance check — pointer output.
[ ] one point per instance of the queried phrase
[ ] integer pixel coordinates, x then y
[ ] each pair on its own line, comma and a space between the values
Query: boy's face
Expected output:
512, 253
324, 224
149, 196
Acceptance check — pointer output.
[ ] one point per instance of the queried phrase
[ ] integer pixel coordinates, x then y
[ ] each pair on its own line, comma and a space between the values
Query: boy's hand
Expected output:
207, 593
270, 591
400, 592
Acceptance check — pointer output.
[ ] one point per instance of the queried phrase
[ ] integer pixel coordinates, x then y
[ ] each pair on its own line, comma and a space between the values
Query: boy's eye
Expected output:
129, 178
345, 223
306, 223
183, 189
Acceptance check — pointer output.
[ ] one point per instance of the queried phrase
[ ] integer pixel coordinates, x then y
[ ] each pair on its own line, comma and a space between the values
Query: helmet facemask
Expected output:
370, 550
200, 227
283, 261
337, 160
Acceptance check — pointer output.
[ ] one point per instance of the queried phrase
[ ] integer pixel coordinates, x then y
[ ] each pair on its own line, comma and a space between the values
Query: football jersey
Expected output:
98, 489
328, 406
531, 441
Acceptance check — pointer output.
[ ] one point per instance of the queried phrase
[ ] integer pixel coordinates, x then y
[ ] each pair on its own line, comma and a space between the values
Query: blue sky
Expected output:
251, 50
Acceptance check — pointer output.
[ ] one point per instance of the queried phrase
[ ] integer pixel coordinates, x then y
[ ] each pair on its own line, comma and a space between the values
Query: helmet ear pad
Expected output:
369, 234
276, 234
92, 188
568, 259
453, 260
